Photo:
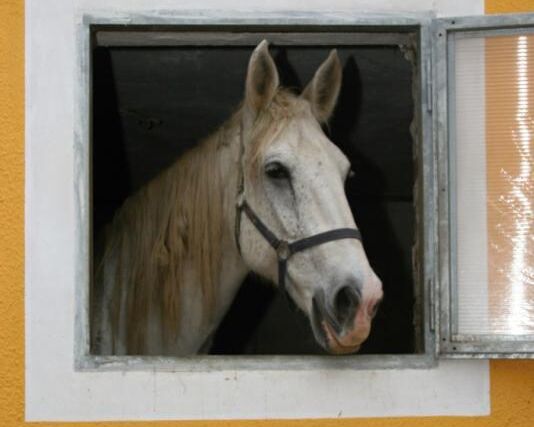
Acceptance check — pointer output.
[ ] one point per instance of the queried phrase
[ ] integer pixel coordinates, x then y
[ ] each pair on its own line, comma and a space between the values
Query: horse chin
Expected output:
334, 344
331, 341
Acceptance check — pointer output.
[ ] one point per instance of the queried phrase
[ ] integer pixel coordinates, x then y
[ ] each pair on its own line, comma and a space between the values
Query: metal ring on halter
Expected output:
282, 250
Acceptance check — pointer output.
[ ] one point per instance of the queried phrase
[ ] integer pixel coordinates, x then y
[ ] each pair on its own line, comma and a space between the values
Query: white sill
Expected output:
54, 393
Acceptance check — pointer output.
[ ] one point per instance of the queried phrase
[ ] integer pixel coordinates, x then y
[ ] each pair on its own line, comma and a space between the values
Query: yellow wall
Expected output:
509, 6
512, 382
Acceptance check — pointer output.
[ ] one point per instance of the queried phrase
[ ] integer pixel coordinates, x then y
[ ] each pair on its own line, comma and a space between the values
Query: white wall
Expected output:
55, 390
440, 7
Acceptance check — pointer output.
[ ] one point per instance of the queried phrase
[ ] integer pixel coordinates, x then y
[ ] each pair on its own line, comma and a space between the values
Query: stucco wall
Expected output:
11, 212
512, 382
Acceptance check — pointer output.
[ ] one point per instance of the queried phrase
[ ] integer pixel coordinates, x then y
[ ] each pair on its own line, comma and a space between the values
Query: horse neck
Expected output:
200, 320
154, 290
233, 270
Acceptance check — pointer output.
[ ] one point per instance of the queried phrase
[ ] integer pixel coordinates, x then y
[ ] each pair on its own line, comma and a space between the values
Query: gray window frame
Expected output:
433, 148
382, 29
444, 32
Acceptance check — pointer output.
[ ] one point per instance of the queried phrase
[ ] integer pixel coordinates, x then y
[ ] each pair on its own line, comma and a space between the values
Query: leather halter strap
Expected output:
284, 250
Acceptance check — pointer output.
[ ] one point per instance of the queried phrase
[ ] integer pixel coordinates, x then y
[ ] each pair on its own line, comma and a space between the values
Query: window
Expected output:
130, 53
158, 92
486, 188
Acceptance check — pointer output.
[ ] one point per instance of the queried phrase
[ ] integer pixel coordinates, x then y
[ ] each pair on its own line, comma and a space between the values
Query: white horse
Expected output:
178, 250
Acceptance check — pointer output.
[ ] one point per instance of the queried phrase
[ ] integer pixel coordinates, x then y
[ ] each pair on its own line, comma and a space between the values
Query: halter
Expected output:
284, 250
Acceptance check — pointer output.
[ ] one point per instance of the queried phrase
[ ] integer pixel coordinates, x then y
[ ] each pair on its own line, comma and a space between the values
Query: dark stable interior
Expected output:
152, 104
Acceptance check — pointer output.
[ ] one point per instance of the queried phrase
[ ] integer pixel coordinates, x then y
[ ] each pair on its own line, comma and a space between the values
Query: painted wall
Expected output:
512, 382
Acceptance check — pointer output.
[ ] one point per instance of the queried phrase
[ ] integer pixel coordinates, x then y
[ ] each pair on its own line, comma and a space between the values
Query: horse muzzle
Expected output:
342, 322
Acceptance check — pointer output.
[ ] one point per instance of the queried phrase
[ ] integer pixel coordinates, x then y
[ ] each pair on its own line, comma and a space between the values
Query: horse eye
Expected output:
276, 170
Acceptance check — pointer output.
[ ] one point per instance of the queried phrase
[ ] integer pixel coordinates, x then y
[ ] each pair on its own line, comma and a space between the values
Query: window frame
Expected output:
451, 344
385, 28
437, 287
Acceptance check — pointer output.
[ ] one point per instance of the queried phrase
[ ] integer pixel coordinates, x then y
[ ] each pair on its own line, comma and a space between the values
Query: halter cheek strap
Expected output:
284, 250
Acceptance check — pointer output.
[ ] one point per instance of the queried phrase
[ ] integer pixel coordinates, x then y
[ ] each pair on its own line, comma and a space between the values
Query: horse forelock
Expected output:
284, 107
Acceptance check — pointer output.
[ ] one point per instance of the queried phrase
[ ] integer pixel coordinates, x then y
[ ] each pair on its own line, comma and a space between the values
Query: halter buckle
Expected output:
282, 250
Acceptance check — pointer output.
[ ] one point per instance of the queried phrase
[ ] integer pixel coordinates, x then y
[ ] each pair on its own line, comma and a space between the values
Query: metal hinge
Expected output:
428, 75
432, 314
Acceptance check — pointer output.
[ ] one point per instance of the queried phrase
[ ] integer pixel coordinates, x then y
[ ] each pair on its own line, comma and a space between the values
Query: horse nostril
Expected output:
346, 303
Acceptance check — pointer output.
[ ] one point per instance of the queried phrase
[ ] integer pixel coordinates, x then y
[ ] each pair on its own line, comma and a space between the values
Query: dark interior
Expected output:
151, 104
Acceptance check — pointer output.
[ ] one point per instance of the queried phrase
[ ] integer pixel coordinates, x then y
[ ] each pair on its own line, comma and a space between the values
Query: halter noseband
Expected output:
284, 250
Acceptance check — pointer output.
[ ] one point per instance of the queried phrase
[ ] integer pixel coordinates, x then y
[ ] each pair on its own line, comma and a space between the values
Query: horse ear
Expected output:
323, 90
262, 79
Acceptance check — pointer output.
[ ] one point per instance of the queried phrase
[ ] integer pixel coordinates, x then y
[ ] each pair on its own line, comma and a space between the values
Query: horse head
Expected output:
293, 183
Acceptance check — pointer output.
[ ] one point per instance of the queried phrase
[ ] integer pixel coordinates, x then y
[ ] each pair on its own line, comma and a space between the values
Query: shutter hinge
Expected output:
428, 75
432, 314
